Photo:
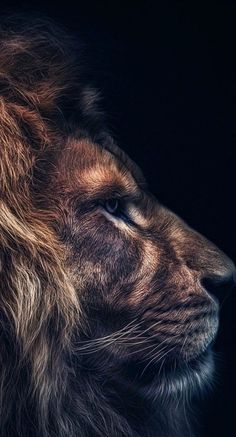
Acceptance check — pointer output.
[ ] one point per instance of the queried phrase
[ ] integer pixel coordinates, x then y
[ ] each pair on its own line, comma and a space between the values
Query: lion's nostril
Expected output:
219, 285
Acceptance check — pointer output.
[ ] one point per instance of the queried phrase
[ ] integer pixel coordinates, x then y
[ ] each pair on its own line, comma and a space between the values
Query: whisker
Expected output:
158, 357
87, 344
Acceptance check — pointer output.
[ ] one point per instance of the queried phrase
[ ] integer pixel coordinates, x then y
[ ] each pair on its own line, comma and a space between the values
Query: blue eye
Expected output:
112, 206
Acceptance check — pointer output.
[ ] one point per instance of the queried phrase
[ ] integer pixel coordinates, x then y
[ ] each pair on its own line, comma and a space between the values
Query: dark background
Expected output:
167, 71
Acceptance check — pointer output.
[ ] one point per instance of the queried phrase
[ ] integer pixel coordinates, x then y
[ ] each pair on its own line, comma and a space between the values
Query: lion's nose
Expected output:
221, 284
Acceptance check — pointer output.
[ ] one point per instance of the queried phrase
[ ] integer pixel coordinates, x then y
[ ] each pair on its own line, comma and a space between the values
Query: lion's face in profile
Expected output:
145, 278
107, 302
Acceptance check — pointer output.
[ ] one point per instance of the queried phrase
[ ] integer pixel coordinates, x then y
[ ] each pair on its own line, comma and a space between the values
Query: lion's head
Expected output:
107, 297
146, 280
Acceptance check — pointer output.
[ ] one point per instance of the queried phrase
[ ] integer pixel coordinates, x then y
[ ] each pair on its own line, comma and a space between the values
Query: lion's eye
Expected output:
117, 208
112, 206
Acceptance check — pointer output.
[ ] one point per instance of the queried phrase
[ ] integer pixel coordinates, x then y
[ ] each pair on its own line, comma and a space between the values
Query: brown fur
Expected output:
86, 295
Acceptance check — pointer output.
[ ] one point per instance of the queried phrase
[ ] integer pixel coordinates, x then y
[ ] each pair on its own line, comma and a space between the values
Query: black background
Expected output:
167, 71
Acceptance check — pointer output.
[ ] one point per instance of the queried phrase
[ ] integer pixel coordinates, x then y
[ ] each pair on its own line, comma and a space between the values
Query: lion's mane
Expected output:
38, 306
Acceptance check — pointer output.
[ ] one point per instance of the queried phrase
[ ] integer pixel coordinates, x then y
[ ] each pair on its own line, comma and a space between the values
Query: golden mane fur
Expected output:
35, 290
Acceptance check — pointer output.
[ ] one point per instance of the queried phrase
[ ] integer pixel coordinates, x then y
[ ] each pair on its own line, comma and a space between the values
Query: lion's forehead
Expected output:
87, 166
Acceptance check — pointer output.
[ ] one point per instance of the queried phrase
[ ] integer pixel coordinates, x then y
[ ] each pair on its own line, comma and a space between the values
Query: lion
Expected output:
108, 302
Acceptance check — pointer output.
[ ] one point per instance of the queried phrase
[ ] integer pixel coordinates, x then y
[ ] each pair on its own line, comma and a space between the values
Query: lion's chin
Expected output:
182, 380
189, 377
